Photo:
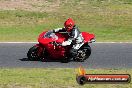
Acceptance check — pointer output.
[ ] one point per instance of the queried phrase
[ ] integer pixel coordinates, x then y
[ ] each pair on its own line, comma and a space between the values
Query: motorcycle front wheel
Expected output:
32, 53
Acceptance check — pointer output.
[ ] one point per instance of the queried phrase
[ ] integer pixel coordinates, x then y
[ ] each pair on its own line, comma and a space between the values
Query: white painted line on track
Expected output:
18, 42
37, 42
113, 42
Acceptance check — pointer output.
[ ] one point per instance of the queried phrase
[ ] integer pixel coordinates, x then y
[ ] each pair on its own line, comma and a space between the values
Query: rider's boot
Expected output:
73, 54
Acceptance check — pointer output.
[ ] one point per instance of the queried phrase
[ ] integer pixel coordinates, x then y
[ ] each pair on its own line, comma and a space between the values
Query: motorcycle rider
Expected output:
74, 36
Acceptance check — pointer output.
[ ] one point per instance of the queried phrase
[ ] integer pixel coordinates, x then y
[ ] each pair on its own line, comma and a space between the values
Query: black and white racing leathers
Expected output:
75, 35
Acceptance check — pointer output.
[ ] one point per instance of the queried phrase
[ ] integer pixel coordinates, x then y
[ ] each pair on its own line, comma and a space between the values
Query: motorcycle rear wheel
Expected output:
83, 53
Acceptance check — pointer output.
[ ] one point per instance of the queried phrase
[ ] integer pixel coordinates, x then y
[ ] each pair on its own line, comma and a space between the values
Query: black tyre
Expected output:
65, 60
83, 53
32, 53
88, 51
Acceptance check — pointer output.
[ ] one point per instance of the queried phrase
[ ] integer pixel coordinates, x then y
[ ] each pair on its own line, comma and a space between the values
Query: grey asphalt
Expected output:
104, 55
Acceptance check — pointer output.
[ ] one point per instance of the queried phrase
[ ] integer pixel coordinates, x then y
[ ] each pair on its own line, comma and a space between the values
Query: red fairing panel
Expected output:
43, 40
57, 51
87, 36
54, 51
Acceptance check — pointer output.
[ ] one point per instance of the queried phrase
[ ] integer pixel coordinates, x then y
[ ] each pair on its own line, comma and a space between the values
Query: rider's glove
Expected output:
68, 42
56, 30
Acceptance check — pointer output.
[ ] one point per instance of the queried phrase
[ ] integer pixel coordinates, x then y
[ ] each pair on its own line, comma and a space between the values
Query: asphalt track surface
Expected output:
104, 55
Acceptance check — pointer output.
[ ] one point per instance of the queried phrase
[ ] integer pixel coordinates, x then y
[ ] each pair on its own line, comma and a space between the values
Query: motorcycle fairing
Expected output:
58, 51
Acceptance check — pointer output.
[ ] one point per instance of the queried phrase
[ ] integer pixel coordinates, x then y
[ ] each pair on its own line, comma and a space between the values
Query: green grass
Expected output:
53, 78
109, 20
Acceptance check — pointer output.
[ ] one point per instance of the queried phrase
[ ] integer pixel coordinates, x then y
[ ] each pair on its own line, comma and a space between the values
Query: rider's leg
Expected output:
79, 43
74, 50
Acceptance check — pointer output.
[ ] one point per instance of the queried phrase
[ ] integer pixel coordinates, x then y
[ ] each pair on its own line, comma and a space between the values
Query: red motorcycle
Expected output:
50, 47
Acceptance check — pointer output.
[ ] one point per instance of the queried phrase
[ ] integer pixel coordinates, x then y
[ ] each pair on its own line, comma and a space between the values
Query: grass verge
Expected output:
109, 20
53, 78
